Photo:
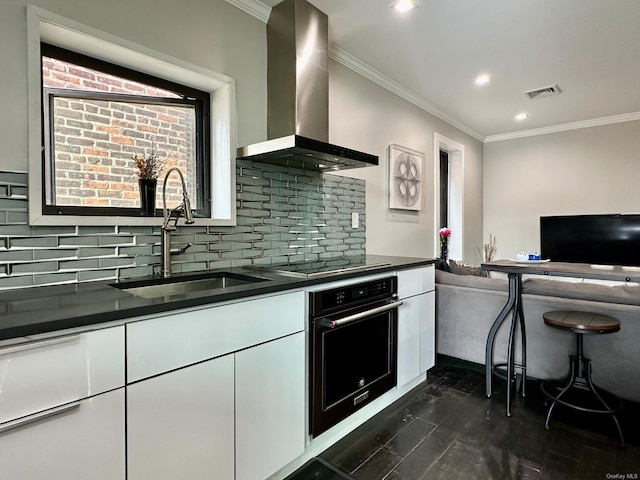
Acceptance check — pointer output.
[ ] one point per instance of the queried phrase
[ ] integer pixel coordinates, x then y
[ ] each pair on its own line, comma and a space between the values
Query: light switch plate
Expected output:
355, 220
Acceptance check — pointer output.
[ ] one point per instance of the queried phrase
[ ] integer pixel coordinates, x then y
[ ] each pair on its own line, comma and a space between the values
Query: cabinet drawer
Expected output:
43, 374
416, 281
165, 343
79, 441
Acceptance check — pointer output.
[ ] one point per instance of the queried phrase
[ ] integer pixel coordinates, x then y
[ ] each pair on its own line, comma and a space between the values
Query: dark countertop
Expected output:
37, 310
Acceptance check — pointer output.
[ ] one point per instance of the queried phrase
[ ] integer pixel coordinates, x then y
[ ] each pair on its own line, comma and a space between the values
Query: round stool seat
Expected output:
581, 322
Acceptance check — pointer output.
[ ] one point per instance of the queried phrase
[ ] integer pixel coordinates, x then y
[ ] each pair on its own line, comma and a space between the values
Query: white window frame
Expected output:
44, 26
456, 195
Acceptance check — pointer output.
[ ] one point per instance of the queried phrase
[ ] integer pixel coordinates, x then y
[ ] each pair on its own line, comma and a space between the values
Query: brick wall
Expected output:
95, 139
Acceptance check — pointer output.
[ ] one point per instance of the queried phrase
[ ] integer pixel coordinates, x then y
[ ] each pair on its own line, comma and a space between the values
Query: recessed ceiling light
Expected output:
521, 116
404, 6
482, 79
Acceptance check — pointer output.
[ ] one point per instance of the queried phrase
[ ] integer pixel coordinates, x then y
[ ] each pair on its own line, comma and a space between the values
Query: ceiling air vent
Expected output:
543, 92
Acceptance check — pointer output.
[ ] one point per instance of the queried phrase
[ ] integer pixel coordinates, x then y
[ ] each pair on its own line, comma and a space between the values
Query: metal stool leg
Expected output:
510, 358
592, 387
572, 381
523, 341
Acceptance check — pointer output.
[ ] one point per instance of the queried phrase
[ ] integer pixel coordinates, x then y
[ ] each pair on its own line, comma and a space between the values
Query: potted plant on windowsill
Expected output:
148, 170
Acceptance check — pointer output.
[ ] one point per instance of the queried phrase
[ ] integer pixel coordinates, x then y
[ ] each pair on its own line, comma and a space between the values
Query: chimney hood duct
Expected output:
298, 94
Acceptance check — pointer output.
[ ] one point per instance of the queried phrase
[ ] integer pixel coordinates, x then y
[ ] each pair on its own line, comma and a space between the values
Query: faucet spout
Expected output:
171, 221
184, 207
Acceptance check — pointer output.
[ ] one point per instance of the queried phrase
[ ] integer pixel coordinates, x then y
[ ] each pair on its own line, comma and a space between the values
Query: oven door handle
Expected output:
325, 322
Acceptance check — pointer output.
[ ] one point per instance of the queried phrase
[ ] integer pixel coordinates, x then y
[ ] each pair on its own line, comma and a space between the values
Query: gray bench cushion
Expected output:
471, 281
626, 295
621, 294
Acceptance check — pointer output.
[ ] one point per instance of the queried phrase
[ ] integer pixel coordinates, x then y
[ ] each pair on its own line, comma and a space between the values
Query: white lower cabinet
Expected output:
427, 330
270, 406
217, 393
243, 411
75, 441
408, 340
416, 323
181, 425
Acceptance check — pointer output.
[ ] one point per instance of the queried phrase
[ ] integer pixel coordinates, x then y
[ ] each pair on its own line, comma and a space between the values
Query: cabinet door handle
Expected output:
36, 417
37, 344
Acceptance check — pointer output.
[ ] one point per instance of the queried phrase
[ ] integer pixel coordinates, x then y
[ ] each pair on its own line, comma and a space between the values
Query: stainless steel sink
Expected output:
165, 287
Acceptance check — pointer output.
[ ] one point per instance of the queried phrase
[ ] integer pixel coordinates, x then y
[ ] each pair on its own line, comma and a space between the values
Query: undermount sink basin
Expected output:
165, 287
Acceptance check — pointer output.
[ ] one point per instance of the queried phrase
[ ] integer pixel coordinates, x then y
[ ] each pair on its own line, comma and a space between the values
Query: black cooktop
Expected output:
317, 268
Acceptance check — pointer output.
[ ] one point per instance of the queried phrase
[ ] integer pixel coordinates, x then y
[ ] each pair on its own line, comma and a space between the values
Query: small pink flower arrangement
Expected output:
444, 233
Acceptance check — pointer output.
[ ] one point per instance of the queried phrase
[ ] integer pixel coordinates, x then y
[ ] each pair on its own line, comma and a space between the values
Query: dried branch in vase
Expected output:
148, 166
488, 250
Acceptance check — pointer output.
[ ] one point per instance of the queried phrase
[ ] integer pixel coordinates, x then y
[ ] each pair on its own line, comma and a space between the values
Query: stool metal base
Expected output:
580, 379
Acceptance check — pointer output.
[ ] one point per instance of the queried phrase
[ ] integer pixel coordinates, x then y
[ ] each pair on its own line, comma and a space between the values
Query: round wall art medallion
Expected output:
405, 181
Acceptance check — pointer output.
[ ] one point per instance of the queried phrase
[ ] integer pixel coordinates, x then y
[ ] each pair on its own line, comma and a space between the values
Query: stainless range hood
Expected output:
298, 94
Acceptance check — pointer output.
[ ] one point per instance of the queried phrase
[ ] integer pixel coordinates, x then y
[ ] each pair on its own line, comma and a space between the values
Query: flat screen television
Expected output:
595, 239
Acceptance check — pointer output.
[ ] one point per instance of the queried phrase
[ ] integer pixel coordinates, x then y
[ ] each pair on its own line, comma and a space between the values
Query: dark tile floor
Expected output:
446, 428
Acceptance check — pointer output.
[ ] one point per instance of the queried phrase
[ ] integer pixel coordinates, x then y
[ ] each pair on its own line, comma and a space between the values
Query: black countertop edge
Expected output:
44, 310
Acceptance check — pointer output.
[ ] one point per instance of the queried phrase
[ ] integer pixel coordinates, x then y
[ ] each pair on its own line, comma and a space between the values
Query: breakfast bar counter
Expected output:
513, 305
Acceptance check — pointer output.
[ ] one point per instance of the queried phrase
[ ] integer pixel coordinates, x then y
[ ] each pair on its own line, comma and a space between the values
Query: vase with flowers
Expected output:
444, 234
148, 170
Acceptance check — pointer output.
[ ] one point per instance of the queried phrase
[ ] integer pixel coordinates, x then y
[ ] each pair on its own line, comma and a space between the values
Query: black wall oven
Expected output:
353, 334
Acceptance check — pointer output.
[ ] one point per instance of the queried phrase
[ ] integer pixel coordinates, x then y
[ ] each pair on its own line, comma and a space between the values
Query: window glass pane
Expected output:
444, 189
59, 74
94, 141
97, 121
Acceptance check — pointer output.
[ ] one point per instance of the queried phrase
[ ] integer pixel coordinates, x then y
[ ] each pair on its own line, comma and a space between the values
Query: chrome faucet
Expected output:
171, 221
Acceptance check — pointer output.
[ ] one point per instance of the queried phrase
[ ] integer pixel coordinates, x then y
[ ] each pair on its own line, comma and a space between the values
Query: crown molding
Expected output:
351, 62
253, 7
261, 11
596, 122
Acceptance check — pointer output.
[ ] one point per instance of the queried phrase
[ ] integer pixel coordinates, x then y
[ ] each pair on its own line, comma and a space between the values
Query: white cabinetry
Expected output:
270, 406
62, 408
187, 337
226, 392
180, 425
416, 323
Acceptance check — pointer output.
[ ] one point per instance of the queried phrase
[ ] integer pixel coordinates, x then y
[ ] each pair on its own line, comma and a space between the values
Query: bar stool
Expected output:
581, 323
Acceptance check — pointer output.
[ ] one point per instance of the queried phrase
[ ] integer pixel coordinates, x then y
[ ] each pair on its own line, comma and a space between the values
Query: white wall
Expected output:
364, 116
218, 36
592, 170
209, 33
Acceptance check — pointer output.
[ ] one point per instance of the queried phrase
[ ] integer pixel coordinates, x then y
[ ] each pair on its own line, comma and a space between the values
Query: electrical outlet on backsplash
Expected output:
283, 214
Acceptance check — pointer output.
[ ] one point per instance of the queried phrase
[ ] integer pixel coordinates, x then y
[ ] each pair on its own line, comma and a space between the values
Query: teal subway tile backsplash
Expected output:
14, 178
93, 275
96, 252
84, 241
15, 281
39, 255
55, 278
283, 214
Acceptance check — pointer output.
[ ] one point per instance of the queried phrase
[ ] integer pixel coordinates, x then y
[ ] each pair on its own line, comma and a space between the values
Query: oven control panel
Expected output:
342, 298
